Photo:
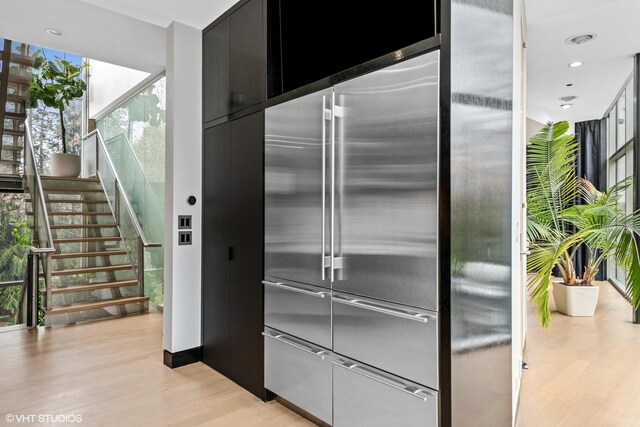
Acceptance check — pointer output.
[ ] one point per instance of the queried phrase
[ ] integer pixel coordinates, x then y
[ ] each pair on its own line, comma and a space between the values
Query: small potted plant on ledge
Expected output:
56, 83
557, 226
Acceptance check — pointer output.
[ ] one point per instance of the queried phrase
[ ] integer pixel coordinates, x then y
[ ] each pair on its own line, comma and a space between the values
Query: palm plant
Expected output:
557, 227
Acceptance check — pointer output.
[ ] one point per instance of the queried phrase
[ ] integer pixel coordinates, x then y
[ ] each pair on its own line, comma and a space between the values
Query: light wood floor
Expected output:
585, 372
112, 374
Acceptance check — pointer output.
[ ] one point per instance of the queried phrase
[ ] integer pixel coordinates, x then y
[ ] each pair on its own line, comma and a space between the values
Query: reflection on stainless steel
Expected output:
294, 190
364, 396
387, 181
306, 315
299, 372
399, 343
481, 144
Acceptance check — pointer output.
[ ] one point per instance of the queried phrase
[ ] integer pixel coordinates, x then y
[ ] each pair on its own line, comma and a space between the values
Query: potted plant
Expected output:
56, 83
557, 226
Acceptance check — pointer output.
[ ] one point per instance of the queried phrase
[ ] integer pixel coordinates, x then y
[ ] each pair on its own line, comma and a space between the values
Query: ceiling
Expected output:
608, 59
195, 13
129, 33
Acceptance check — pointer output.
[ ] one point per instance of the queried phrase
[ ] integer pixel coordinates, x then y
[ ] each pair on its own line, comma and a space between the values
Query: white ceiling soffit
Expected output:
89, 31
608, 59
195, 13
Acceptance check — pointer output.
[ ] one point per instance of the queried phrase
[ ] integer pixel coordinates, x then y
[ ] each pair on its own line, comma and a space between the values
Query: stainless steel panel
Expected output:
397, 339
300, 310
296, 158
364, 396
481, 227
299, 372
387, 182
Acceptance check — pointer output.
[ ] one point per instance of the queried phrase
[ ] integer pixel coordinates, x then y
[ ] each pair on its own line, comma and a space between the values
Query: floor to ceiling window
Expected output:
620, 160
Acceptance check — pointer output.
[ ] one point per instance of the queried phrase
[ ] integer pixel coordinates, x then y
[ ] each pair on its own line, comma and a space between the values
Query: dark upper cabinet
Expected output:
232, 260
247, 56
215, 71
234, 64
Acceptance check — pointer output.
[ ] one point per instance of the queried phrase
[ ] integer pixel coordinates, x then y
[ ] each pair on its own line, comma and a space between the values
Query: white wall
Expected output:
182, 310
90, 31
107, 82
533, 127
518, 261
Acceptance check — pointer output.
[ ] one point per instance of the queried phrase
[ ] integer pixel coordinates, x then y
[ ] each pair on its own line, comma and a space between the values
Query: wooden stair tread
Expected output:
61, 178
73, 201
71, 190
88, 239
95, 304
83, 213
84, 270
6, 147
10, 162
81, 226
93, 287
88, 254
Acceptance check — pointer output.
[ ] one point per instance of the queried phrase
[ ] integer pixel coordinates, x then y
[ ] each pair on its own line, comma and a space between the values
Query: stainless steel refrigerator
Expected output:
351, 245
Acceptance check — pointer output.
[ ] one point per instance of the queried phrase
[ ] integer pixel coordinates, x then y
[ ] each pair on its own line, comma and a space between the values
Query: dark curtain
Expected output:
591, 138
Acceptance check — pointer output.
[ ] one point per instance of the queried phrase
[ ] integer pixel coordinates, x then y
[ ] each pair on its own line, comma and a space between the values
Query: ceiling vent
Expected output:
581, 38
568, 98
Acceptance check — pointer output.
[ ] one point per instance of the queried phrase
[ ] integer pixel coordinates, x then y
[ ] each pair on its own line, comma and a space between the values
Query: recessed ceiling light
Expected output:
568, 98
54, 32
566, 106
576, 64
581, 38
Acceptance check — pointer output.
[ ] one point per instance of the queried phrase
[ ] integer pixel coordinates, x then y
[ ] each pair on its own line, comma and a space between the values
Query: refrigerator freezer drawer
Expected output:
298, 372
366, 397
398, 339
300, 310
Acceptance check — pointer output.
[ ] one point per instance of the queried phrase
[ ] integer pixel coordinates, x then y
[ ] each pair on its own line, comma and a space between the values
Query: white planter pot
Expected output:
576, 300
65, 165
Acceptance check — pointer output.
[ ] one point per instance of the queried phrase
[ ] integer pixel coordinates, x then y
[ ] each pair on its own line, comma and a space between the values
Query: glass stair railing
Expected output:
127, 187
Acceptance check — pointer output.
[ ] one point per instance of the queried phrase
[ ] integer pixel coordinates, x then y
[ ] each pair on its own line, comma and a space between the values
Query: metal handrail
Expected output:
122, 194
40, 218
39, 196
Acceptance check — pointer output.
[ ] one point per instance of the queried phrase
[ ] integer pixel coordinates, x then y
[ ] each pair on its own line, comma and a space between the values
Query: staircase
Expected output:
15, 78
92, 274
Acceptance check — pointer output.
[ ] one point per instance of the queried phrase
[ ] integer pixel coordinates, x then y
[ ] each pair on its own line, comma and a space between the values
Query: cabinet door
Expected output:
247, 56
215, 71
215, 250
246, 302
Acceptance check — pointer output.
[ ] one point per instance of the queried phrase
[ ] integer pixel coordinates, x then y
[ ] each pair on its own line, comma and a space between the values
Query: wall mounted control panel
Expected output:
184, 230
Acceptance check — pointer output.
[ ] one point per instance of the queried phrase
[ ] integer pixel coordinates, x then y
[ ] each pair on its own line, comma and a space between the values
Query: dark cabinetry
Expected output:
232, 250
234, 62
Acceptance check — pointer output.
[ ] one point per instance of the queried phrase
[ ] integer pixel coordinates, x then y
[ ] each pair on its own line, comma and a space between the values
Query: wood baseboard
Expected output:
182, 358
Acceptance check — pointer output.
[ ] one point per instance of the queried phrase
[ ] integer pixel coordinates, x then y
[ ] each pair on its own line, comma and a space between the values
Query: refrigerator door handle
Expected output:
293, 288
285, 340
383, 308
333, 183
421, 393
326, 116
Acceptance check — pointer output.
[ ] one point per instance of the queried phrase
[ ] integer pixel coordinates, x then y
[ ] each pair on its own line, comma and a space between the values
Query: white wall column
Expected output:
182, 311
